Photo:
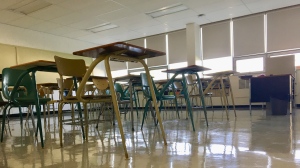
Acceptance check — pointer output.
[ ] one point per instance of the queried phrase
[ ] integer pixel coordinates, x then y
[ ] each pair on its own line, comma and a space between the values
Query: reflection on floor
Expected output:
246, 141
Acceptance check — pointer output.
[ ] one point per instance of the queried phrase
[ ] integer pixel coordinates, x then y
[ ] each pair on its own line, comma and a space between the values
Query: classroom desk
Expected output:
33, 67
192, 69
121, 51
131, 79
219, 76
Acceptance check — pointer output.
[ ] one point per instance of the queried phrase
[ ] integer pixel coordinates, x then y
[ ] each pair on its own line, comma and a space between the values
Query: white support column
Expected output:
193, 44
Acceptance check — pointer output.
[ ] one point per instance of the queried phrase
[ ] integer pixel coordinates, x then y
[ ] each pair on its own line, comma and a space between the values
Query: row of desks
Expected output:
115, 52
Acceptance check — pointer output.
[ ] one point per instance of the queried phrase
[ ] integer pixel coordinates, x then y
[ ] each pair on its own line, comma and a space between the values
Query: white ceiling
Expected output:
71, 18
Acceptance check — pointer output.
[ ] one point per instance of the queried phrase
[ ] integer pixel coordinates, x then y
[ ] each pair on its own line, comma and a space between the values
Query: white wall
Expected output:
27, 38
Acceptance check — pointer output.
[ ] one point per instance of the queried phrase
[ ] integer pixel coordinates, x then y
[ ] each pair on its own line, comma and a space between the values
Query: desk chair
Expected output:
65, 68
194, 92
16, 97
125, 97
160, 97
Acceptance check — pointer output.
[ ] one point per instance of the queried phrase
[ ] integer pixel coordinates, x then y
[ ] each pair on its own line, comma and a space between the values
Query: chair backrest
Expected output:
70, 67
65, 87
101, 84
10, 78
145, 86
119, 89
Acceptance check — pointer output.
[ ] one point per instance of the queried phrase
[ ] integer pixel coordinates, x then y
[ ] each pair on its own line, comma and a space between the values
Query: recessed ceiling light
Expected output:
201, 15
167, 10
28, 6
102, 27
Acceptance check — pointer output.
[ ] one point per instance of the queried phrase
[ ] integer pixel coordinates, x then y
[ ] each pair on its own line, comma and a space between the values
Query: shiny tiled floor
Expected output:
246, 141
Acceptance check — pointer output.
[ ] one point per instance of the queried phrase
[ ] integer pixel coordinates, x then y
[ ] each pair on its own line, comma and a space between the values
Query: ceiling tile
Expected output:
77, 33
183, 22
227, 13
77, 4
214, 5
96, 38
6, 3
105, 33
157, 29
87, 23
136, 21
126, 35
50, 12
102, 8
71, 18
260, 6
7, 16
54, 1
61, 30
238, 11
25, 22
44, 26
117, 14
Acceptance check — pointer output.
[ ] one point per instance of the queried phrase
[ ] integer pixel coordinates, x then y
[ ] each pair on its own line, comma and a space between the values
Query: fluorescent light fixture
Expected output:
102, 27
28, 6
167, 10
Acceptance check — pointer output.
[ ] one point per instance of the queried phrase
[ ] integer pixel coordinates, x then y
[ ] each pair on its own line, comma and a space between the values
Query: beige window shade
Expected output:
283, 29
280, 65
248, 35
115, 65
216, 40
138, 42
177, 47
158, 43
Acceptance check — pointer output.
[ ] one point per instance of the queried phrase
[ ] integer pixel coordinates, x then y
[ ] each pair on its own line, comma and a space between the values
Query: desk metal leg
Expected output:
187, 100
176, 102
224, 97
131, 104
231, 95
115, 103
202, 97
154, 100
38, 111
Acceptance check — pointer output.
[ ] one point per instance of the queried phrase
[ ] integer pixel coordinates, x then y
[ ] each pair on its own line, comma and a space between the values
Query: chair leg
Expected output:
20, 115
145, 112
136, 106
60, 105
86, 118
3, 121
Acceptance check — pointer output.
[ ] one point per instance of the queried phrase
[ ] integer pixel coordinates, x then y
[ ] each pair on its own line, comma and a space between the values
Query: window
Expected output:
250, 65
177, 65
158, 75
119, 73
297, 59
218, 64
